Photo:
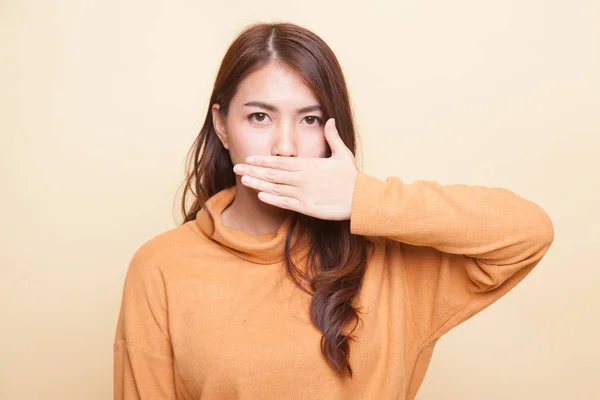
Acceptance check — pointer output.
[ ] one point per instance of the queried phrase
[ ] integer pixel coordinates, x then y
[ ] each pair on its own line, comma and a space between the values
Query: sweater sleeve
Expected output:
463, 246
143, 356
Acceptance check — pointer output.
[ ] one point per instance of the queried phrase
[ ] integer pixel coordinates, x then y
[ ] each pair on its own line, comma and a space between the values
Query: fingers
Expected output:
275, 162
276, 189
336, 144
287, 203
265, 174
271, 185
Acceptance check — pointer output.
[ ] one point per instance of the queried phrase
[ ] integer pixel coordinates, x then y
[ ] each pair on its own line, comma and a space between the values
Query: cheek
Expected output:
243, 143
313, 146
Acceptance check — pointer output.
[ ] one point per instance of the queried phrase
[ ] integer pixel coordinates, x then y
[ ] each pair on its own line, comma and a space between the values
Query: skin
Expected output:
278, 152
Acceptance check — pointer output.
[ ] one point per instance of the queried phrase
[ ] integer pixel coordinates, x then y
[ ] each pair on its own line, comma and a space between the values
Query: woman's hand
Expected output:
320, 187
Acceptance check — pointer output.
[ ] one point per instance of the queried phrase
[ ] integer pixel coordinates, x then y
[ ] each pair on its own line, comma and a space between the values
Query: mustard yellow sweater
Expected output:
208, 311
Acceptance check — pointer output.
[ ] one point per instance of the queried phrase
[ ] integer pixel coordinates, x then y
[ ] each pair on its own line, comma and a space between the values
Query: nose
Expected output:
284, 140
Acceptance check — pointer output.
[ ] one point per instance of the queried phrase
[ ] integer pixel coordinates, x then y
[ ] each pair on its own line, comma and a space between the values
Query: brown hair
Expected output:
337, 259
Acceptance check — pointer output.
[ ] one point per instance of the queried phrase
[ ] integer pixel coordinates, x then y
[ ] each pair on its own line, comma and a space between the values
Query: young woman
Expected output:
294, 275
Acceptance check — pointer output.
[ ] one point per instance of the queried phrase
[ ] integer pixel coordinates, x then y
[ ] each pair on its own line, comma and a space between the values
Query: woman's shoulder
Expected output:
160, 249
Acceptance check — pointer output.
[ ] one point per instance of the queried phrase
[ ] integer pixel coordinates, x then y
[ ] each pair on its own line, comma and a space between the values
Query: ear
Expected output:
219, 124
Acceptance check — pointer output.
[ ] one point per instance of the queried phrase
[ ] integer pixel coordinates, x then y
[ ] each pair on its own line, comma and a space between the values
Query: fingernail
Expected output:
238, 168
250, 160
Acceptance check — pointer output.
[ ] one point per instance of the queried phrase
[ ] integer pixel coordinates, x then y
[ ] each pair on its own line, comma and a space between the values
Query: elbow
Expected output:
538, 236
544, 231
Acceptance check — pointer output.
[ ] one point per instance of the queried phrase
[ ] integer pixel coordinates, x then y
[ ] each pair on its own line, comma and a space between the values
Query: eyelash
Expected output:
319, 120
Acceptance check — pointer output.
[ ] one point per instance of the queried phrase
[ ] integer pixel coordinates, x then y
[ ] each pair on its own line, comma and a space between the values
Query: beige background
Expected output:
101, 100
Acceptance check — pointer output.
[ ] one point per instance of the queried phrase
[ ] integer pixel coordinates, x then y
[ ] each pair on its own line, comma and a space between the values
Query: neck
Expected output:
247, 213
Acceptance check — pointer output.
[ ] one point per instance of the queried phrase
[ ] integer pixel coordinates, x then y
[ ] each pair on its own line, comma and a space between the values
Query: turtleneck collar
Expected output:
267, 248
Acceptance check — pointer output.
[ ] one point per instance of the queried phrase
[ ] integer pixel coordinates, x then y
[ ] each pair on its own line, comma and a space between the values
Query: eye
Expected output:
258, 117
311, 120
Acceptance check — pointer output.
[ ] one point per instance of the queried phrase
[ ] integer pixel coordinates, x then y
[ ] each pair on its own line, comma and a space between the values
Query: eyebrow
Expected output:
272, 108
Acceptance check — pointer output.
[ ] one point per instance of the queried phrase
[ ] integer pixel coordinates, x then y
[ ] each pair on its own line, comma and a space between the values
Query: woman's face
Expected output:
272, 113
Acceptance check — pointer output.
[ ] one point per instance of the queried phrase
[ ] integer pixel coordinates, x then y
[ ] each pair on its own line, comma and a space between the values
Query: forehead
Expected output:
275, 85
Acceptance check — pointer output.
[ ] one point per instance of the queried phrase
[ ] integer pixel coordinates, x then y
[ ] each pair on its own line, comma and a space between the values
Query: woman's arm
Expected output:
493, 225
143, 356
463, 246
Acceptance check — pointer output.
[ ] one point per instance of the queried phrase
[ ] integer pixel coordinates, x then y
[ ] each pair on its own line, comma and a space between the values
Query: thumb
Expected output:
333, 138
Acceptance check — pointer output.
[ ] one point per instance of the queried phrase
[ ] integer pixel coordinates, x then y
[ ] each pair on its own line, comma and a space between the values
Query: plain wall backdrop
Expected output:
100, 101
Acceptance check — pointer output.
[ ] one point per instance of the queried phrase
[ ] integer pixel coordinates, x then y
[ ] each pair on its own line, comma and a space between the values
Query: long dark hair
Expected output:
337, 259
